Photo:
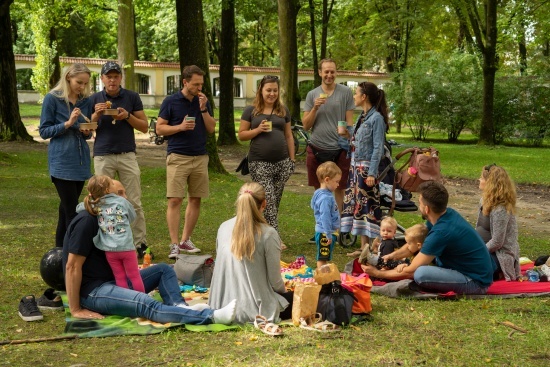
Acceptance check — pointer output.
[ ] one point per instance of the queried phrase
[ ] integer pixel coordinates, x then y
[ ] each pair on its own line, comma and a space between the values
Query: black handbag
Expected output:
335, 303
243, 166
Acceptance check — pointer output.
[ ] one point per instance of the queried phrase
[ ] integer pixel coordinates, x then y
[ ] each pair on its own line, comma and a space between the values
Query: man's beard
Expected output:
424, 216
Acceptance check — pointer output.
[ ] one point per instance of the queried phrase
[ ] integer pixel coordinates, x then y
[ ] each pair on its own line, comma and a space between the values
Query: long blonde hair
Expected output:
63, 88
98, 186
259, 103
499, 190
249, 220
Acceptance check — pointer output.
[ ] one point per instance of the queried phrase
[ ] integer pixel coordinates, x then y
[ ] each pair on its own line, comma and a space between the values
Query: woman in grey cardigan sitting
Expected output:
248, 262
496, 222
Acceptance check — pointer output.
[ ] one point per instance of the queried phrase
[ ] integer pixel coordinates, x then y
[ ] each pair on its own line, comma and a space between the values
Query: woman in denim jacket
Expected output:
361, 214
68, 152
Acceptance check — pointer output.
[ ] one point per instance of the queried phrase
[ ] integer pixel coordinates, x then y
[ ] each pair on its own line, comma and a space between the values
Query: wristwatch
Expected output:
128, 117
205, 110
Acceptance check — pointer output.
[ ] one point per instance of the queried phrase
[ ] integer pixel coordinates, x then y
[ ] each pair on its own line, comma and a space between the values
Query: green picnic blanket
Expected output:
113, 325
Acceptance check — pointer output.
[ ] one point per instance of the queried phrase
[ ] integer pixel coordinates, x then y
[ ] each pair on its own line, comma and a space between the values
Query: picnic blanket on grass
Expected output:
113, 325
499, 289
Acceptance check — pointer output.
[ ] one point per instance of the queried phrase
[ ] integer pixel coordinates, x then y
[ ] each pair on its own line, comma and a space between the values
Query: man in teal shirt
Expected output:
463, 263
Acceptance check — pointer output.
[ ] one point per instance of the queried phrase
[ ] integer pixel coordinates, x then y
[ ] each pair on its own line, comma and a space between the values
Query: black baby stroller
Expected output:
390, 191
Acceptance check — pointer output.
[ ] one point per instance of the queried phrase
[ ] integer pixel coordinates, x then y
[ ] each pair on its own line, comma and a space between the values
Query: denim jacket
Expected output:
369, 140
68, 151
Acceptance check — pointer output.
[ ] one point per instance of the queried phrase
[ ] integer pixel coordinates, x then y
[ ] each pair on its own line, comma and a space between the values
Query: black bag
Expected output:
243, 166
323, 156
195, 269
335, 303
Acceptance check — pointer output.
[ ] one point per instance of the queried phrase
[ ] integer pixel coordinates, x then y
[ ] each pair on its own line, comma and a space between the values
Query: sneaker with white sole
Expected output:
174, 251
50, 301
28, 310
189, 246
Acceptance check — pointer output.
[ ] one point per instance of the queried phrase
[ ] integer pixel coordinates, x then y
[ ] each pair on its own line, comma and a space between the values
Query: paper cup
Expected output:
342, 127
270, 124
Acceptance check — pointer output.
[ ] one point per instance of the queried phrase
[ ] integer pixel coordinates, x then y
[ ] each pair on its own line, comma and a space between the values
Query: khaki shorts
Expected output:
186, 173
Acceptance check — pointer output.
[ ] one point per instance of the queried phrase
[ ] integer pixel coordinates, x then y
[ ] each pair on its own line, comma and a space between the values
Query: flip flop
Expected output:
319, 326
266, 327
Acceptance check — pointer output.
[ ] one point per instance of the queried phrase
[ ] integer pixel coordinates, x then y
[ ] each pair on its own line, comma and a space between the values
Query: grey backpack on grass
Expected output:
195, 269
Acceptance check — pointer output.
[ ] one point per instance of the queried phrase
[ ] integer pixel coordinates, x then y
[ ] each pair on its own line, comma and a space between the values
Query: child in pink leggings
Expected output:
107, 201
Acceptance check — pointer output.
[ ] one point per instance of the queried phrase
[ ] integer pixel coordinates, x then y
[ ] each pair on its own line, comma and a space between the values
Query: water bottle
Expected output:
533, 275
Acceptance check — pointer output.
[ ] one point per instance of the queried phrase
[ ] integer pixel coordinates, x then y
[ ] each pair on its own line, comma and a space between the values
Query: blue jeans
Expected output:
445, 280
113, 300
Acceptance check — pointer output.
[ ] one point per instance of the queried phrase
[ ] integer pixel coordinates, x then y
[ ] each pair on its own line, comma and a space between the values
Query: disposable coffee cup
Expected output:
323, 95
342, 127
270, 124
190, 119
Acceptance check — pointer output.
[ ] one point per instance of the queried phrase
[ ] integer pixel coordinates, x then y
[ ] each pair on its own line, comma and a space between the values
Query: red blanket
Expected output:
499, 288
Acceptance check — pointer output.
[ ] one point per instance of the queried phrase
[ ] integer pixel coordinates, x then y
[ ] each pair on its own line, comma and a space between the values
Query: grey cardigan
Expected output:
499, 230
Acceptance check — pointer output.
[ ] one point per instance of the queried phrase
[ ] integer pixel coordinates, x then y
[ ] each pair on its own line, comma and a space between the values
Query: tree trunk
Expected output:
11, 126
193, 50
316, 77
226, 134
56, 75
288, 48
486, 134
126, 42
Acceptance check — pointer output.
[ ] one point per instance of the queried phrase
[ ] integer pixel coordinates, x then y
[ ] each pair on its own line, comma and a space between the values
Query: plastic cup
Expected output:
342, 127
190, 119
270, 124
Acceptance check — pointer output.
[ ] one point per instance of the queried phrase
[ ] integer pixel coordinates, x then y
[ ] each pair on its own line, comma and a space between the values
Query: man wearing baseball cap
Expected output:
115, 144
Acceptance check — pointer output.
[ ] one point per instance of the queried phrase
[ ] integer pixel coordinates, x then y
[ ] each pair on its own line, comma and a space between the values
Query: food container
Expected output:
88, 126
110, 112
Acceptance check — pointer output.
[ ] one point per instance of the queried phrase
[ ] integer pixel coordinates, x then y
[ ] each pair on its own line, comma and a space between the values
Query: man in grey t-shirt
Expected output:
325, 106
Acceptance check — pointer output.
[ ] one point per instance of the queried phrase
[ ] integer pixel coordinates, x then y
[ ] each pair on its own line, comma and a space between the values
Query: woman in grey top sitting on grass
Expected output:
248, 262
496, 222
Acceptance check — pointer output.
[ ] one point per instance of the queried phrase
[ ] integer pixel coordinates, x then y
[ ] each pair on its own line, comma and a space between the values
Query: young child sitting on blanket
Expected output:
414, 237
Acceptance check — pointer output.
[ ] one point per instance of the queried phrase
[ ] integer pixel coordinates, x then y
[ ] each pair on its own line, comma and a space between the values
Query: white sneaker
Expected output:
174, 251
188, 246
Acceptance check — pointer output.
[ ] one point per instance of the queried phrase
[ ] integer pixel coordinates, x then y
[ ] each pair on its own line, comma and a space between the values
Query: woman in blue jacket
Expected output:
361, 213
68, 152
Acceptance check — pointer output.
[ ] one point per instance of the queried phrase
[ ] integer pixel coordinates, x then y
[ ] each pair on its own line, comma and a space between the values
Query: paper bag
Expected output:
326, 274
304, 303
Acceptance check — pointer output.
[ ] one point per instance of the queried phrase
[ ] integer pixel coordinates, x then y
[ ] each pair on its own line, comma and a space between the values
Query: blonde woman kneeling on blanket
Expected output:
496, 222
248, 262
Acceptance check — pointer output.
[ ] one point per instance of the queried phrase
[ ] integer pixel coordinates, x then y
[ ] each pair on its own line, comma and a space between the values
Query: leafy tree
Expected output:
11, 126
193, 51
479, 22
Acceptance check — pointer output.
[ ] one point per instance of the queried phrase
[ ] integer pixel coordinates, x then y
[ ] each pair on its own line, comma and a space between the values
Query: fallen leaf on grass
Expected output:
74, 354
239, 343
19, 330
253, 338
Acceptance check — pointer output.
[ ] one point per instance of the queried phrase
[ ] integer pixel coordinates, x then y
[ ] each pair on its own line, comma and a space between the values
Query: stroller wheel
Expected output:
346, 239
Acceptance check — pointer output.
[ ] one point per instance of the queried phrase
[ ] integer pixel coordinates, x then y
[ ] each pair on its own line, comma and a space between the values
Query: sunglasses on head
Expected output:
270, 77
488, 167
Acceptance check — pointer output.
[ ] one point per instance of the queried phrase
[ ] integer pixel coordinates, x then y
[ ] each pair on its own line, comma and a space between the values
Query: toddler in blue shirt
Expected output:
325, 210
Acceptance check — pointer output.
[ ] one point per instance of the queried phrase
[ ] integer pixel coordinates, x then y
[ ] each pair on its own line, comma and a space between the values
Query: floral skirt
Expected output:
361, 213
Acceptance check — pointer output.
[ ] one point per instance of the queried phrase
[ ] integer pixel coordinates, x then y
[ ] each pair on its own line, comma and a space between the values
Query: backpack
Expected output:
423, 165
335, 303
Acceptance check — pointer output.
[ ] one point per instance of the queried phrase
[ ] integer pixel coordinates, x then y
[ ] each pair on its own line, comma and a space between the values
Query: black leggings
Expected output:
69, 193
287, 313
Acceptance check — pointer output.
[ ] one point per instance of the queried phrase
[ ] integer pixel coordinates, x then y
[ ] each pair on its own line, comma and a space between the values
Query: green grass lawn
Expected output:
402, 332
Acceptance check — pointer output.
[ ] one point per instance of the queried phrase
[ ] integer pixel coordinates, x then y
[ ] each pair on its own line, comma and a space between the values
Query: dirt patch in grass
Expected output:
533, 210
